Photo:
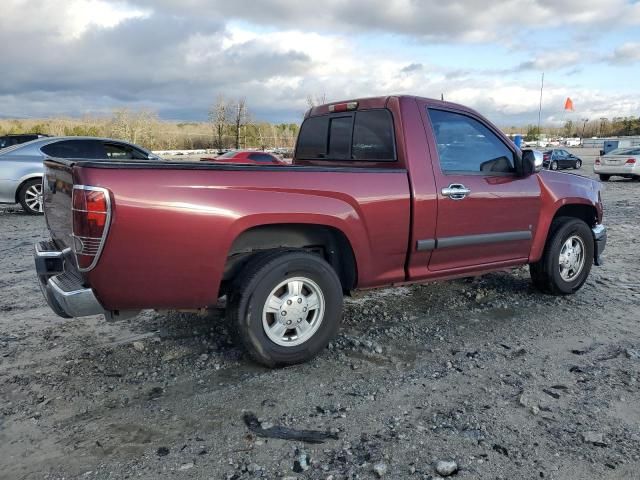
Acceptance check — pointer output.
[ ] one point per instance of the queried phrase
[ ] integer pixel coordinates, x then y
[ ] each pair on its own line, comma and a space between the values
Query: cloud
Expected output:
412, 67
462, 20
552, 61
176, 57
626, 54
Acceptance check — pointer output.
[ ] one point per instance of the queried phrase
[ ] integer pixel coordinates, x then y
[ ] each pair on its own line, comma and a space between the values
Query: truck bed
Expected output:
178, 220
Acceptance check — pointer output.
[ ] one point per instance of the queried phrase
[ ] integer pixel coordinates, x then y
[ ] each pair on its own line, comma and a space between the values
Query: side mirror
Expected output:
531, 162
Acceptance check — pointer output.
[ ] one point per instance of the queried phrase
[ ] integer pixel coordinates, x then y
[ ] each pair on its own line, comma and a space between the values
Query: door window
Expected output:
261, 157
467, 146
121, 151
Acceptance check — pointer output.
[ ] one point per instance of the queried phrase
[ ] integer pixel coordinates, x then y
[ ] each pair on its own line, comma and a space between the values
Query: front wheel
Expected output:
577, 164
285, 307
567, 258
30, 197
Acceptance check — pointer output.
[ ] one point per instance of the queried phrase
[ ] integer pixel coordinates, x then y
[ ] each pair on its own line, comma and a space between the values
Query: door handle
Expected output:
456, 191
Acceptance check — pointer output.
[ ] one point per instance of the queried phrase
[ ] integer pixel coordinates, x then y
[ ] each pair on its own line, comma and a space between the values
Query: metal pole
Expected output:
540, 109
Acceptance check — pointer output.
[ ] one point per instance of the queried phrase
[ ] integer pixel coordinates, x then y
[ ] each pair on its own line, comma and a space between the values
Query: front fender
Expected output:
558, 190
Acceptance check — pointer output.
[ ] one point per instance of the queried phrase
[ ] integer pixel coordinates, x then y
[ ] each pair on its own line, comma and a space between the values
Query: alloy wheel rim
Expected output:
293, 311
33, 197
572, 258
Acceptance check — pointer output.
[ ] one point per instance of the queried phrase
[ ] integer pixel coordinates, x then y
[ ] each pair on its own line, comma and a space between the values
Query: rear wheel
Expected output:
285, 307
567, 258
30, 197
604, 178
554, 165
577, 164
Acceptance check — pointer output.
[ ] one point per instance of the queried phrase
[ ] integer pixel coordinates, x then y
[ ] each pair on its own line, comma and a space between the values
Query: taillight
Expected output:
597, 160
631, 161
91, 208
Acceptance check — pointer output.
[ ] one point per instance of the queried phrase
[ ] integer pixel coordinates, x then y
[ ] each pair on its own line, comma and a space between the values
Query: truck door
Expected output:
487, 215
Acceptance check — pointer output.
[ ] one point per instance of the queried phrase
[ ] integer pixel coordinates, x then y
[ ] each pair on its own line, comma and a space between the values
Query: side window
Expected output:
121, 151
373, 136
340, 137
312, 142
466, 145
261, 157
90, 149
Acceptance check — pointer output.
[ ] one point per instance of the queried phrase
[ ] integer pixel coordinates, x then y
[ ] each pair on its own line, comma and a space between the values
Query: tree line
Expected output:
584, 128
230, 126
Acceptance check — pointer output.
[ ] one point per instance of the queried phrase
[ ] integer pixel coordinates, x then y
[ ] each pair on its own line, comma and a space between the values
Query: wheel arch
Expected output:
22, 183
328, 241
575, 208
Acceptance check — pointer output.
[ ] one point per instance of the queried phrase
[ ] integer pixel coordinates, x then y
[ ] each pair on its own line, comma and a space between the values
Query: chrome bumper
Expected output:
61, 284
599, 242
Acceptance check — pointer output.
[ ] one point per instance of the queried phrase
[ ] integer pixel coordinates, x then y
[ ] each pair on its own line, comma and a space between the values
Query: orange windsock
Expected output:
568, 104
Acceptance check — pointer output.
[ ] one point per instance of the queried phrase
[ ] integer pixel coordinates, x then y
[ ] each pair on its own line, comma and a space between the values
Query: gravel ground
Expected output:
484, 372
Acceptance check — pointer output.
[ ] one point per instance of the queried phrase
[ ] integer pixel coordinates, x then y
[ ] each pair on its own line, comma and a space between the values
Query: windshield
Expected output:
227, 155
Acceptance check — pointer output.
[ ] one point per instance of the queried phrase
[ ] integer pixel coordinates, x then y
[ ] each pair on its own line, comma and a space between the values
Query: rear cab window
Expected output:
366, 136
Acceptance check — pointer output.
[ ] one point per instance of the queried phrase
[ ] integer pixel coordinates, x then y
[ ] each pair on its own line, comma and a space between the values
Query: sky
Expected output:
87, 57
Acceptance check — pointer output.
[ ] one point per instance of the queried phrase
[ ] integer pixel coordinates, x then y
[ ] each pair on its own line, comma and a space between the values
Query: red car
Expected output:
382, 191
248, 157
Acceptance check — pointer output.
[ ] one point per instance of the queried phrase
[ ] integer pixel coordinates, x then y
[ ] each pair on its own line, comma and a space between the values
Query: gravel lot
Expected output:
484, 372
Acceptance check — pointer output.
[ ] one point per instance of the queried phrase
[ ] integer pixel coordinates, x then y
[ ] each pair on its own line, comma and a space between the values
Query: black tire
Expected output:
577, 164
249, 294
545, 273
553, 165
604, 178
25, 199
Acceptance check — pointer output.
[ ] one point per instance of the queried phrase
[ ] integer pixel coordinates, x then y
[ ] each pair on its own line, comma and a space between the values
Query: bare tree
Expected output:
219, 119
134, 126
241, 118
312, 100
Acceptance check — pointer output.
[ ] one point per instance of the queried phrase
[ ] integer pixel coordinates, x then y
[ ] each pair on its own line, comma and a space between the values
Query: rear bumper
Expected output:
621, 170
62, 285
599, 242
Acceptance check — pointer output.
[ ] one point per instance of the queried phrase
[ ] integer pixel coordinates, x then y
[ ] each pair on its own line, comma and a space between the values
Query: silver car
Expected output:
21, 167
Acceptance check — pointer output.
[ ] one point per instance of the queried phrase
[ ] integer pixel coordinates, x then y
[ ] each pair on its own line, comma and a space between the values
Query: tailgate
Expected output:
57, 189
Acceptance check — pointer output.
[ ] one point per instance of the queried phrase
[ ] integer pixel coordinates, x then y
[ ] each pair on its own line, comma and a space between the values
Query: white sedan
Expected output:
622, 162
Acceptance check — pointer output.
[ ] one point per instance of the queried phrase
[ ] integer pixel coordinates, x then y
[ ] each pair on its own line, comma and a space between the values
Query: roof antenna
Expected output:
442, 97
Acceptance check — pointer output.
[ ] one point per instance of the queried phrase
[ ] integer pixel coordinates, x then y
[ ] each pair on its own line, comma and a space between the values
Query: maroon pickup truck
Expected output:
382, 191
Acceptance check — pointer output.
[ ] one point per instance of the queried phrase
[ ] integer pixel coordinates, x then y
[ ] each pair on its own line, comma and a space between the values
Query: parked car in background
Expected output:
21, 167
382, 191
15, 139
621, 162
247, 157
558, 158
